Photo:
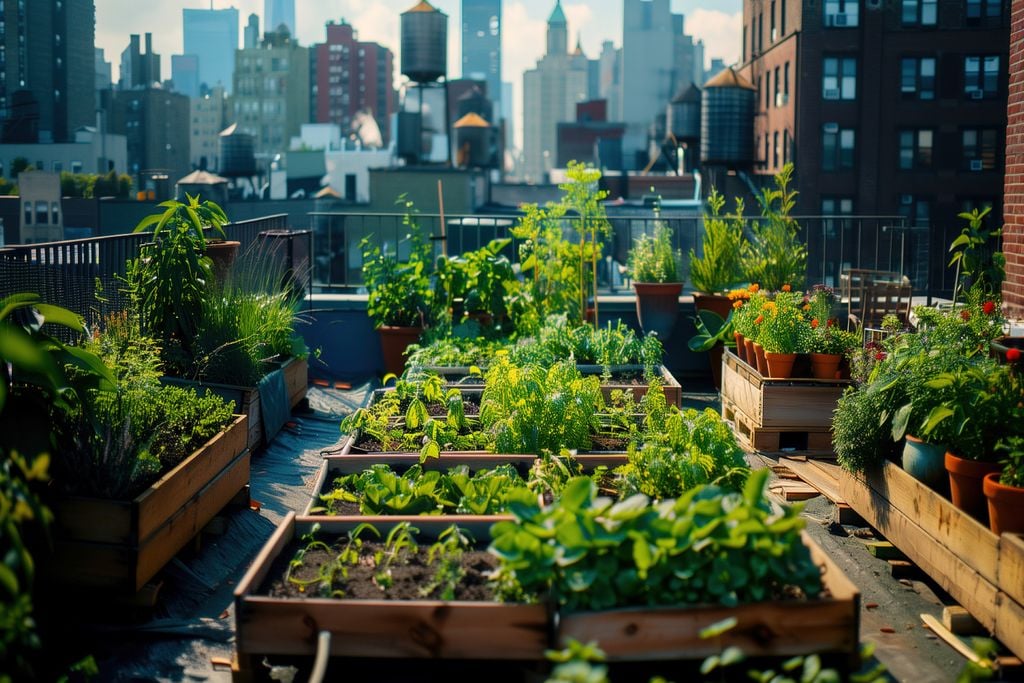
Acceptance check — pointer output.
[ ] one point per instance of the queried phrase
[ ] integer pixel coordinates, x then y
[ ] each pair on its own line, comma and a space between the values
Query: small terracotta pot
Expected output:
924, 462
741, 349
748, 345
394, 341
1005, 506
965, 478
825, 365
780, 365
717, 303
762, 361
657, 306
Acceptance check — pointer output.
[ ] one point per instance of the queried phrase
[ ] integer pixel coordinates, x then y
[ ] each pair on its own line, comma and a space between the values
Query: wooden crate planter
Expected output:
982, 571
247, 399
340, 465
829, 625
769, 414
381, 628
673, 391
121, 545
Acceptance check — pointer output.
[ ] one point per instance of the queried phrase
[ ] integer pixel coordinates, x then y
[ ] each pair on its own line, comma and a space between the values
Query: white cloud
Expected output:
720, 31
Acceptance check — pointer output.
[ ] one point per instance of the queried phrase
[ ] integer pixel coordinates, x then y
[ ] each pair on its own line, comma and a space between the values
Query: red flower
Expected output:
988, 307
965, 314
814, 324
880, 355
1013, 355
787, 288
759, 320
831, 322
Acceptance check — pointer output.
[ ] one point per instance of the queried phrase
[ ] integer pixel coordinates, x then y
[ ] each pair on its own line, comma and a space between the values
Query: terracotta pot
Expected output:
825, 365
657, 306
741, 350
924, 462
780, 365
1005, 506
393, 343
748, 346
716, 303
762, 360
223, 255
965, 477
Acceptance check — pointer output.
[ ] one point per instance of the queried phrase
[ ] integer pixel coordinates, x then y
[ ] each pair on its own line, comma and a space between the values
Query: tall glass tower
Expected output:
212, 35
277, 12
481, 46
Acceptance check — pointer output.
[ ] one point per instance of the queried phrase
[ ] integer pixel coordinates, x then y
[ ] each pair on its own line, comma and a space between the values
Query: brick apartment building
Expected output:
1013, 232
885, 108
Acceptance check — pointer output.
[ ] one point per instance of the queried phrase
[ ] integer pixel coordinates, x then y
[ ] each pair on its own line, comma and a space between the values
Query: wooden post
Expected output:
444, 229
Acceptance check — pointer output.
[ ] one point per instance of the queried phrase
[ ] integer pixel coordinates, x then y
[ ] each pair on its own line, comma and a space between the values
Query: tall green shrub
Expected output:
774, 256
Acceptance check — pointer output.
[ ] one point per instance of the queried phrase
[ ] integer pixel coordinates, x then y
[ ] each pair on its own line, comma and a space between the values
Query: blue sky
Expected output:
718, 23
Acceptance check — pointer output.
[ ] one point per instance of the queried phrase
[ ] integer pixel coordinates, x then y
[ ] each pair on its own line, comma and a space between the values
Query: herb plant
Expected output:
720, 267
652, 258
774, 256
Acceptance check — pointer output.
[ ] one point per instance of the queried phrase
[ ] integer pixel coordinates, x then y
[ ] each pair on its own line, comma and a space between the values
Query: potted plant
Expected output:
782, 332
720, 267
654, 268
401, 299
1005, 492
774, 256
196, 218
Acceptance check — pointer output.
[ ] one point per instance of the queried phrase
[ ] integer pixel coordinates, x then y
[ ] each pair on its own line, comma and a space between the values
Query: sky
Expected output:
717, 22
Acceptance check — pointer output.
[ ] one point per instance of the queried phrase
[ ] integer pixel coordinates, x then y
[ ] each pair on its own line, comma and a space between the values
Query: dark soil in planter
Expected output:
470, 406
410, 573
368, 444
608, 443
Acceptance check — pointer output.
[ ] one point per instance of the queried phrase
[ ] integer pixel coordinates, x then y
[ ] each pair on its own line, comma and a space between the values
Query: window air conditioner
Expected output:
831, 93
977, 94
831, 127
839, 20
976, 164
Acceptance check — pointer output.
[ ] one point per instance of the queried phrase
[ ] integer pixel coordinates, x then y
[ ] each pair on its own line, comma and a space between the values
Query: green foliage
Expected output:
90, 185
477, 280
774, 256
400, 292
532, 409
860, 436
1013, 461
720, 268
688, 449
708, 547
652, 258
978, 264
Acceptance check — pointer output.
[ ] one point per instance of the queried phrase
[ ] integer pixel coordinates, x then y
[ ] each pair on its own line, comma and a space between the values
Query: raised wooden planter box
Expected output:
381, 628
828, 625
121, 545
769, 414
673, 391
470, 630
982, 571
247, 399
340, 465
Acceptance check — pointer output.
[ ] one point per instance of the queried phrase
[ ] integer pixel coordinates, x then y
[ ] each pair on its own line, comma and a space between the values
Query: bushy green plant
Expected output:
532, 409
652, 258
860, 433
1012, 448
720, 267
476, 280
400, 292
781, 327
774, 255
709, 546
979, 264
689, 449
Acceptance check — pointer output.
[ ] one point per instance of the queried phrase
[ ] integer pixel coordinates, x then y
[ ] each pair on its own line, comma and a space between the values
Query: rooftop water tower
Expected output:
425, 61
727, 121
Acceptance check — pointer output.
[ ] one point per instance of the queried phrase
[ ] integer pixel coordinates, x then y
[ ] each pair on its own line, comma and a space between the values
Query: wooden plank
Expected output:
1009, 627
1011, 566
296, 379
958, 578
393, 628
959, 621
260, 567
797, 406
884, 550
936, 627
821, 479
94, 519
164, 498
956, 531
791, 491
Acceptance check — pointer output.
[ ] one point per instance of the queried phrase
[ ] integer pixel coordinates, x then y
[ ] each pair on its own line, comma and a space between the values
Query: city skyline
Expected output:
718, 24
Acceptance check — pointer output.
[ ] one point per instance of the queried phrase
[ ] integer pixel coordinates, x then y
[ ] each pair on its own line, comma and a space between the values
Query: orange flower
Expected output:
737, 304
787, 288
814, 324
755, 287
807, 307
760, 319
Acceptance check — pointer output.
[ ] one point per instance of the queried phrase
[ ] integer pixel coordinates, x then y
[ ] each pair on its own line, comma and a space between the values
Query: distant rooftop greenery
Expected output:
86, 185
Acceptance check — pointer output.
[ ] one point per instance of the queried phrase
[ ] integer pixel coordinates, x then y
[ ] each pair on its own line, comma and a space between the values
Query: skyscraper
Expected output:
252, 32
47, 88
212, 36
139, 69
550, 93
185, 74
271, 100
481, 46
277, 12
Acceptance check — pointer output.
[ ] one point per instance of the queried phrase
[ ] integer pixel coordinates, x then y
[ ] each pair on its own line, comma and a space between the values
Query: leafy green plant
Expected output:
400, 292
709, 546
774, 256
476, 280
194, 218
446, 554
652, 258
979, 265
782, 327
1013, 461
720, 267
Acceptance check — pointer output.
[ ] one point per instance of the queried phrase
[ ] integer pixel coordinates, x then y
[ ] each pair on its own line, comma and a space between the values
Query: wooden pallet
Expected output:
823, 475
982, 571
757, 438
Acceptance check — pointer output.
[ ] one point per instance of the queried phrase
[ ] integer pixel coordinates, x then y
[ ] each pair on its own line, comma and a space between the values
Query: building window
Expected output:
981, 76
782, 18
28, 213
917, 79
842, 13
42, 213
916, 148
837, 206
979, 149
767, 148
837, 148
743, 44
774, 35
55, 212
917, 210
768, 90
983, 9
778, 88
785, 147
775, 149
919, 12
760, 32
785, 83
840, 78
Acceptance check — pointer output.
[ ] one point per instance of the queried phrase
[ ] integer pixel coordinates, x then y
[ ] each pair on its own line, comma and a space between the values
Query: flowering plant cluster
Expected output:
790, 322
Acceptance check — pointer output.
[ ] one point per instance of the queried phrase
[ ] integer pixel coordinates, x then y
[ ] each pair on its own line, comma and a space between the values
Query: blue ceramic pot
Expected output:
925, 462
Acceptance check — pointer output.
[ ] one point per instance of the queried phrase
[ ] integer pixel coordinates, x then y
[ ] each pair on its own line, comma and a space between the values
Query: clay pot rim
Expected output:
994, 489
969, 467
